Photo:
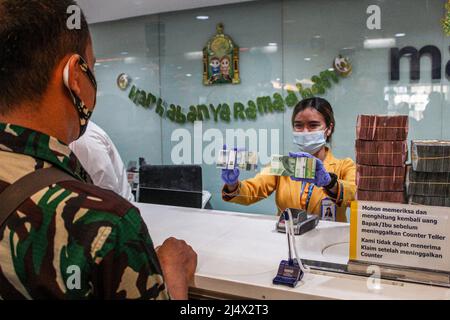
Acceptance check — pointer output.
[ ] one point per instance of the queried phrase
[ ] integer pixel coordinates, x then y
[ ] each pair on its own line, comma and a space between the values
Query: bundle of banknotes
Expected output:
231, 159
383, 196
301, 168
429, 201
428, 183
381, 153
382, 127
371, 178
430, 155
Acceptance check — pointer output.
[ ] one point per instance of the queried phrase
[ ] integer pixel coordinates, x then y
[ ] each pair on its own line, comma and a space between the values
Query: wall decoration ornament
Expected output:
123, 81
342, 66
221, 60
446, 20
243, 111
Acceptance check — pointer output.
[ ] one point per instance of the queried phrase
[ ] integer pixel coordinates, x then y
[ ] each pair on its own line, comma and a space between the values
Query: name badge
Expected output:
328, 210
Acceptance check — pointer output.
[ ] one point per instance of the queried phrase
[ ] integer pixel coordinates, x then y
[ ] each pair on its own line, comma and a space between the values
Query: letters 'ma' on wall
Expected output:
415, 57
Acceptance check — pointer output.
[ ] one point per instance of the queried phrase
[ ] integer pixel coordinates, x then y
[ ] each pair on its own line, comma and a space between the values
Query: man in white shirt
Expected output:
100, 158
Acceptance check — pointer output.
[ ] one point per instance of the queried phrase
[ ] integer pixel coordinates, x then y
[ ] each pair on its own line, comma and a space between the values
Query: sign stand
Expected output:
407, 242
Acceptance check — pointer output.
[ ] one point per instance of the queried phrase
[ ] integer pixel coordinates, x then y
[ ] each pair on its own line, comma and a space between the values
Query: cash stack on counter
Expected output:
381, 155
428, 181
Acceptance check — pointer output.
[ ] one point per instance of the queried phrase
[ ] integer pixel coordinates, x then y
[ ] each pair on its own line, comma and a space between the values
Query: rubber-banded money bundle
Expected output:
382, 128
371, 178
383, 196
428, 183
430, 155
429, 201
297, 167
231, 159
381, 153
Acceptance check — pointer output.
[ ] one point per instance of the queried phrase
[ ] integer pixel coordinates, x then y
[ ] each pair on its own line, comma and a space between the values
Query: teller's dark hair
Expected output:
34, 37
322, 106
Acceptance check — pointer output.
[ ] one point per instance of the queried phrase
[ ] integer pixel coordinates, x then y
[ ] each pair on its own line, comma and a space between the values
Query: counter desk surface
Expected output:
239, 254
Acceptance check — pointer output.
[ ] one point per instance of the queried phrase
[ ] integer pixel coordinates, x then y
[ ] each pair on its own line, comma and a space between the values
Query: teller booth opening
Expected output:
180, 186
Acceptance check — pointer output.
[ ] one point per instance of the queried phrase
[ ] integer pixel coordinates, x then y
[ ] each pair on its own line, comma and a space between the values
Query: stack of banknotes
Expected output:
428, 181
381, 154
301, 168
231, 159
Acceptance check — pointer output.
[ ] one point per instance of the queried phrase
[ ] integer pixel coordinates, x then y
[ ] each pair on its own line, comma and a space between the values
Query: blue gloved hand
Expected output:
322, 178
230, 177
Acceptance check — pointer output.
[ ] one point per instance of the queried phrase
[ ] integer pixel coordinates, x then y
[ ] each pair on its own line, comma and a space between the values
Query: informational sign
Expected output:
400, 235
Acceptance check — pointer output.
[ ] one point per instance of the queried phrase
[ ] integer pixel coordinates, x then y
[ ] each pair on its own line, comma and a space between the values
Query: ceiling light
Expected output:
379, 43
202, 17
129, 60
268, 49
194, 55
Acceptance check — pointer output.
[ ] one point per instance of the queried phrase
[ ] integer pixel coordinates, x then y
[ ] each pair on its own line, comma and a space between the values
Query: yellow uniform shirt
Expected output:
288, 191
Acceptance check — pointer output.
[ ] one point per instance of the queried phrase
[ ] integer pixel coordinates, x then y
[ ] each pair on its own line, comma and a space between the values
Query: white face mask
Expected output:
310, 142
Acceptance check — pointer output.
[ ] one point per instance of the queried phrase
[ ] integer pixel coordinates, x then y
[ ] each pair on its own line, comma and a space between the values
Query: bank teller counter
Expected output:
239, 254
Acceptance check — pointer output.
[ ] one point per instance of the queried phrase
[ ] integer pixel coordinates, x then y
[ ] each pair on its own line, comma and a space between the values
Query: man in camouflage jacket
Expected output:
71, 240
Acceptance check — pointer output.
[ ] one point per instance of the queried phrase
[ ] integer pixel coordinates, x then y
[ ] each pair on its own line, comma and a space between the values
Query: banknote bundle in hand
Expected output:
430, 155
371, 178
382, 128
302, 168
231, 159
381, 154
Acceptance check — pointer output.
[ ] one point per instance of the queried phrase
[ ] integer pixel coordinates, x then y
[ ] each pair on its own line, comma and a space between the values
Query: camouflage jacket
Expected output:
71, 240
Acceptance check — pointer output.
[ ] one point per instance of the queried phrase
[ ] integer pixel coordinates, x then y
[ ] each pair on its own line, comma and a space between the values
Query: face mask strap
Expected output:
83, 112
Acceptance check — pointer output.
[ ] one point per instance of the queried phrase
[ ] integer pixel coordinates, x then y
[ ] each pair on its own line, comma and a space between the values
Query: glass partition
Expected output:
282, 43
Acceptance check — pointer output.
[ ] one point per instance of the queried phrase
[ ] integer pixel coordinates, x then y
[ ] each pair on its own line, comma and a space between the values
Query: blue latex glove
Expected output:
230, 177
322, 176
